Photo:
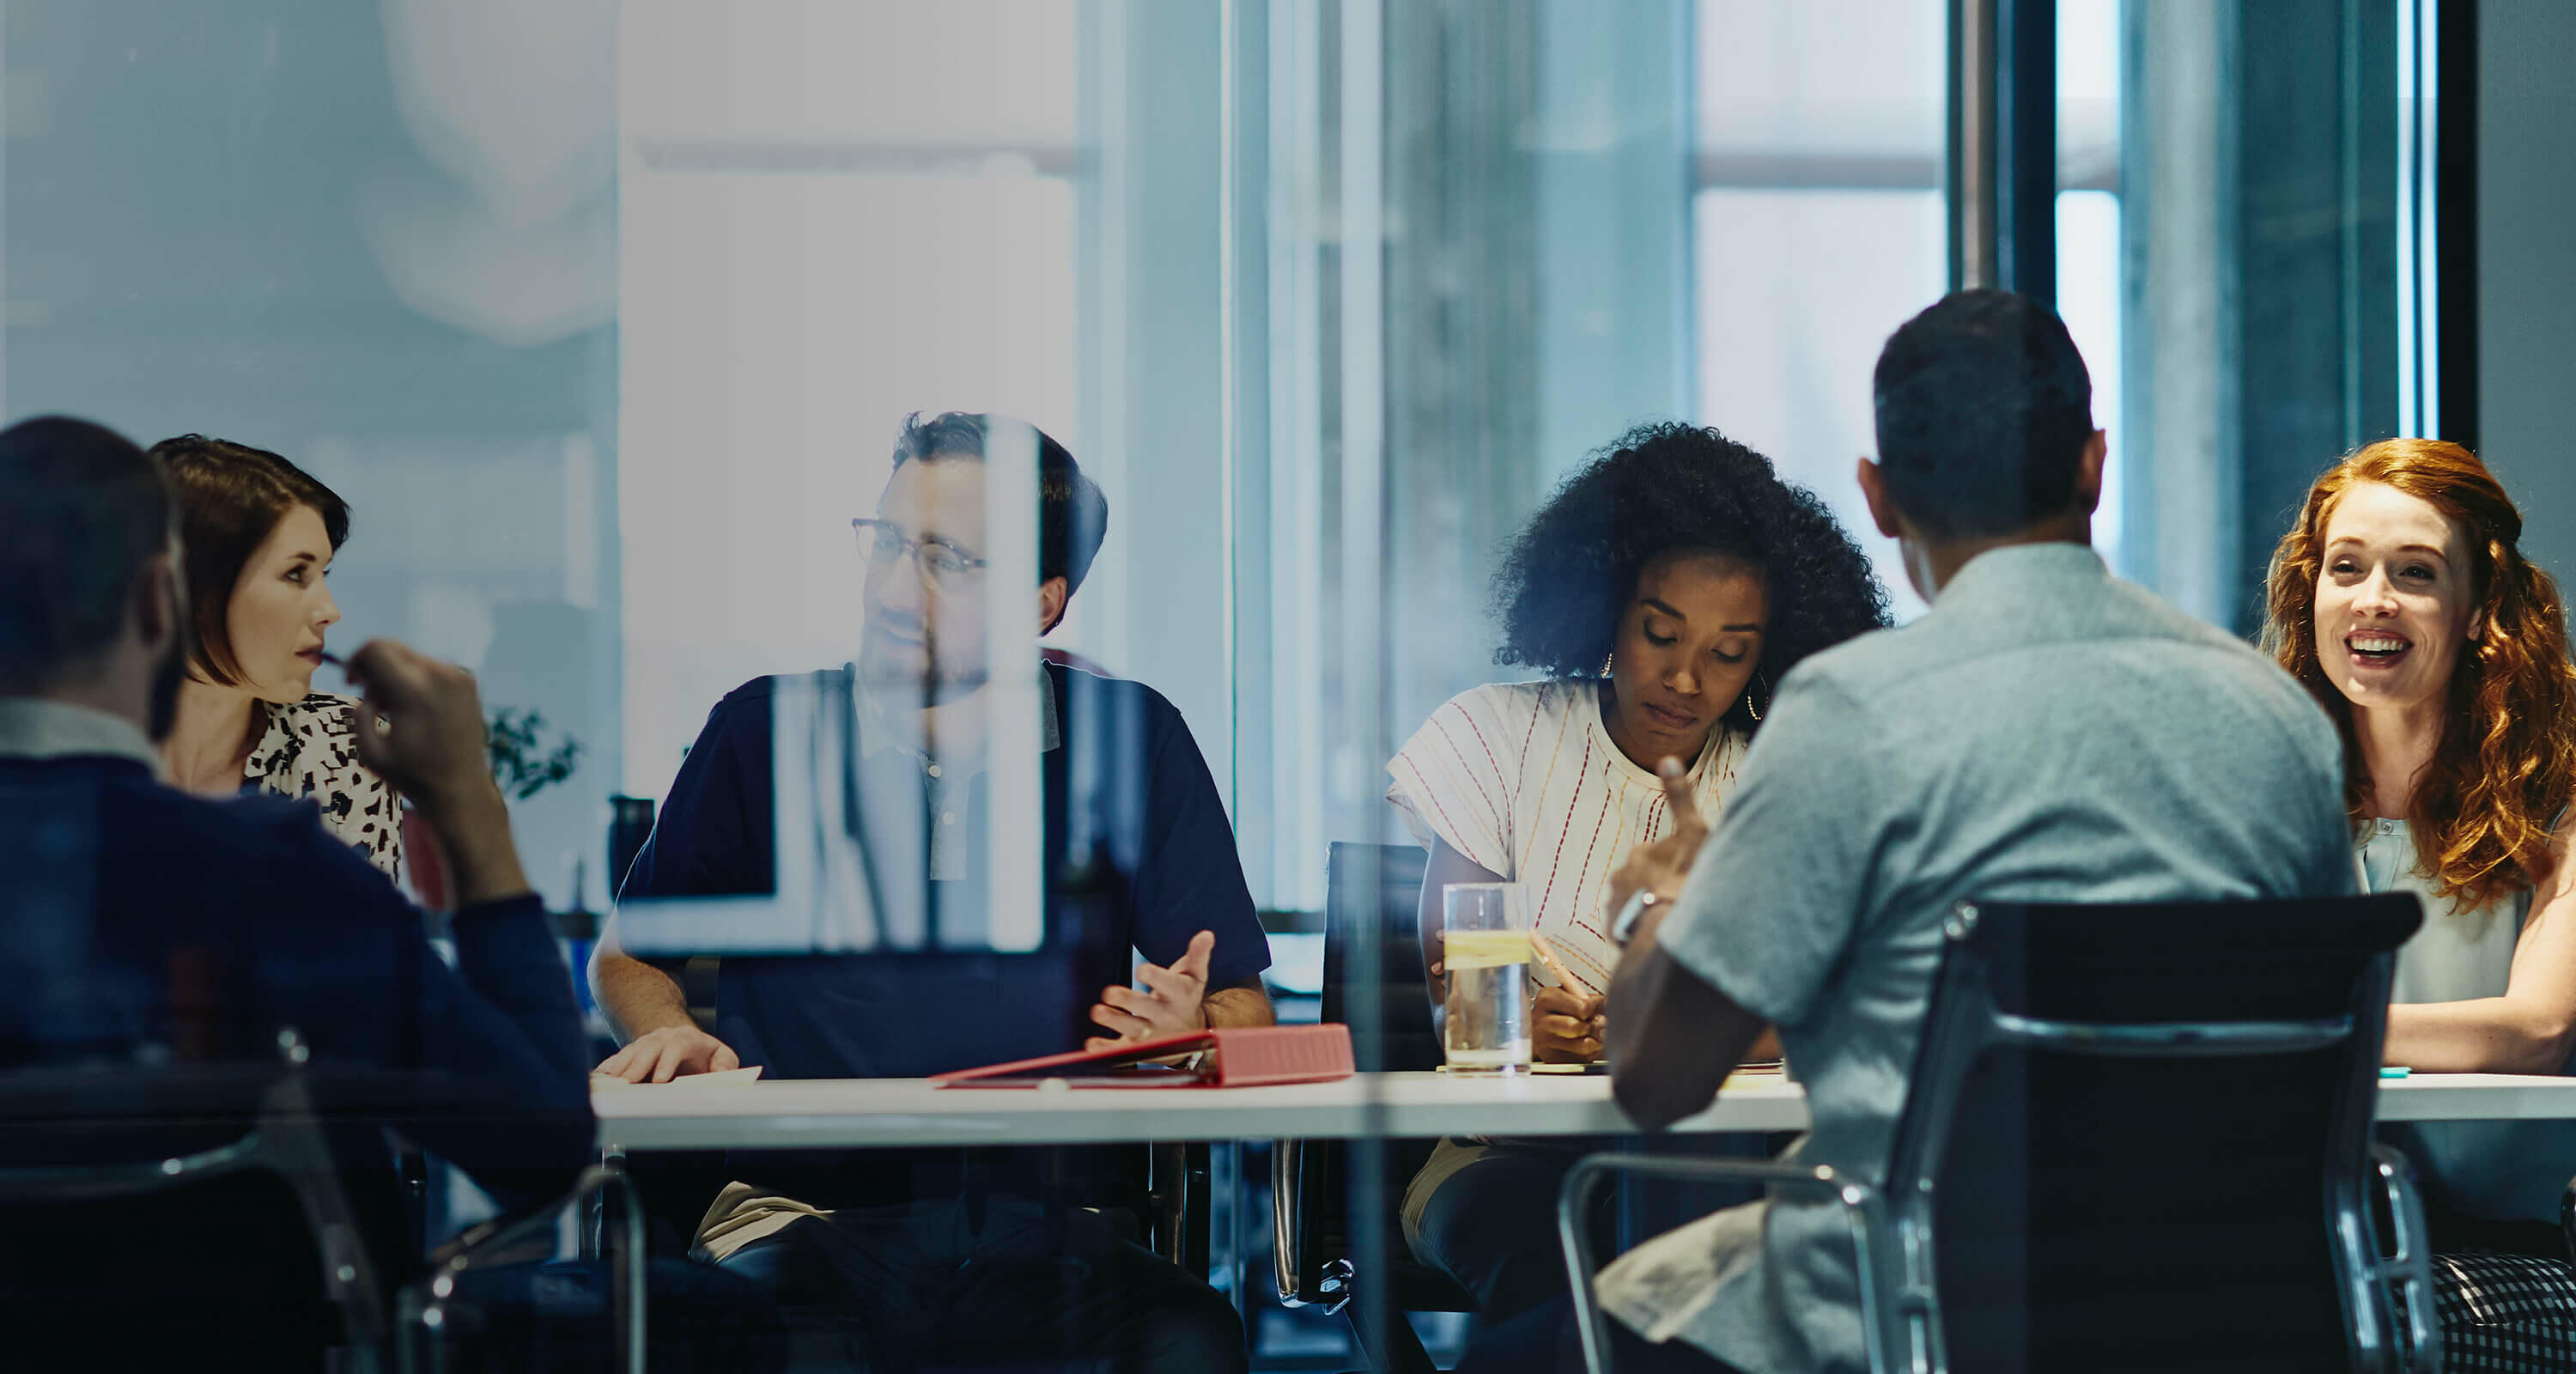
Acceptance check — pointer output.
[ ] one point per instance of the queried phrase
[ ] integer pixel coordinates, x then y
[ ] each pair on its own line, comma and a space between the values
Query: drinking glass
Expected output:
1485, 954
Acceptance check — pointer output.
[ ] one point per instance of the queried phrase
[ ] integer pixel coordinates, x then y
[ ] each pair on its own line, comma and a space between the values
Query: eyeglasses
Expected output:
945, 564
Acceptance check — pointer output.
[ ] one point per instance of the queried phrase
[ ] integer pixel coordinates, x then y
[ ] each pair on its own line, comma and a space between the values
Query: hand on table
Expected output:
1175, 999
1565, 1026
1660, 866
671, 1052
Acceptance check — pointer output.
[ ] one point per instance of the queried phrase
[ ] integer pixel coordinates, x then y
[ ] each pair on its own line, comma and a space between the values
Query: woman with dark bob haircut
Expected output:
256, 539
1663, 591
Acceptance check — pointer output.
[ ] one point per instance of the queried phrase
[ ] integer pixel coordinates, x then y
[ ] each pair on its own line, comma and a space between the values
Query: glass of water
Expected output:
1484, 956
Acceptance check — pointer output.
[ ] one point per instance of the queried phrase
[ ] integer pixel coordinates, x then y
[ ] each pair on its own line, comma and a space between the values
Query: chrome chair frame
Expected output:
423, 1307
1373, 895
285, 1138
1893, 1231
1862, 1208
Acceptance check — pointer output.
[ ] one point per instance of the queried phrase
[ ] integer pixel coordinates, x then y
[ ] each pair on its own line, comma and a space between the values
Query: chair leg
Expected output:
1386, 1339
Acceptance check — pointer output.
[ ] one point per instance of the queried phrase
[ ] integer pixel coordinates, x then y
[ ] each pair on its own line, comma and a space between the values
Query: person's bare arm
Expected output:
1672, 1038
2531, 1028
650, 1013
1244, 1004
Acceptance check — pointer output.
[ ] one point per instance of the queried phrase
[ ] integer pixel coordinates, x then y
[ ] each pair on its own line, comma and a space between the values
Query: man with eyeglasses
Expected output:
1001, 1252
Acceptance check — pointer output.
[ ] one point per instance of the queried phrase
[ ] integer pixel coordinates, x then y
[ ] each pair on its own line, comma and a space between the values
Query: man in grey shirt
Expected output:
2045, 733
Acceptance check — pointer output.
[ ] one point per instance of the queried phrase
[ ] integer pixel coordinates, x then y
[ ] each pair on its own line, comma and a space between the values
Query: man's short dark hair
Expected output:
1984, 409
81, 510
231, 497
1073, 517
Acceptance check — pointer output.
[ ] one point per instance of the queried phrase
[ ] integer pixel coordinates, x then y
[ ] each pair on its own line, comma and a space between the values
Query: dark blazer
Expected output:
145, 924
140, 925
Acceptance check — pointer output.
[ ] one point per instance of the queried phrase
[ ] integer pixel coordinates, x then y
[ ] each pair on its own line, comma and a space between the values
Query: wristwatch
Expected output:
1624, 925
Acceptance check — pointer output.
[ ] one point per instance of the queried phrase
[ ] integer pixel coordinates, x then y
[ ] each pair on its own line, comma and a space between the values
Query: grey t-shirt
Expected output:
2045, 733
2495, 1170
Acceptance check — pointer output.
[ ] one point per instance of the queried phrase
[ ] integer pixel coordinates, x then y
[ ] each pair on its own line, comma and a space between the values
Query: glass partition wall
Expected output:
605, 320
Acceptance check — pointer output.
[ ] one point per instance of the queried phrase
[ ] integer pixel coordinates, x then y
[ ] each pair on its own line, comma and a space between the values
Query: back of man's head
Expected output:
81, 510
1984, 411
1073, 515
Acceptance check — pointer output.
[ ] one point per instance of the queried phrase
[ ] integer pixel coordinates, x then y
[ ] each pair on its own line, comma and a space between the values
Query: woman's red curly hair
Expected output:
2506, 766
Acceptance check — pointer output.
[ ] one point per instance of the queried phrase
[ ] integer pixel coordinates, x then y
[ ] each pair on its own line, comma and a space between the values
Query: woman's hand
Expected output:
1565, 1026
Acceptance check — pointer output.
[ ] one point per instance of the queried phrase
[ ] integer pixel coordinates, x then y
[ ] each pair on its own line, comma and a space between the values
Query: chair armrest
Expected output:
1295, 1239
485, 1242
423, 1301
1288, 1233
1285, 1259
1859, 1200
2407, 1269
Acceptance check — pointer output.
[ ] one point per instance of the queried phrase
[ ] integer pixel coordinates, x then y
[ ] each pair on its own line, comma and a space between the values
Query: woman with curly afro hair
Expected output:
1662, 592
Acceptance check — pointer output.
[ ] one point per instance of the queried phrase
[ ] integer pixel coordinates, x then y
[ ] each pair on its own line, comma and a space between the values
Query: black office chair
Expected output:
1371, 893
242, 1226
2138, 1138
241, 1147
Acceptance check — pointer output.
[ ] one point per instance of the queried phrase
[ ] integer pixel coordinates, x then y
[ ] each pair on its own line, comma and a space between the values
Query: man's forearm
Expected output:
1246, 1005
637, 997
1641, 942
473, 830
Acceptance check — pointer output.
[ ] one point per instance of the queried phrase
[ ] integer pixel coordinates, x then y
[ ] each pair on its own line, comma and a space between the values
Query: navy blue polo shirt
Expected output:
1138, 857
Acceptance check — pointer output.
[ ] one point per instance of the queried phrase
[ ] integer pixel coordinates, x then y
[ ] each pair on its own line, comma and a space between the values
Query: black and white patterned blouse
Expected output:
309, 750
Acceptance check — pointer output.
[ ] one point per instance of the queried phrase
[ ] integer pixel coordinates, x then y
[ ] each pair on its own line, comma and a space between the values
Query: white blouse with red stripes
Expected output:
1522, 780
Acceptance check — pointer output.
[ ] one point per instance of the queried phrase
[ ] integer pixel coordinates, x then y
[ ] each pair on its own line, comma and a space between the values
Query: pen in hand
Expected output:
1545, 953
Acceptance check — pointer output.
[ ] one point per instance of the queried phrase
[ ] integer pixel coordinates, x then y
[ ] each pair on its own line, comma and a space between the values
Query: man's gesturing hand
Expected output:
1175, 1000
671, 1052
1660, 866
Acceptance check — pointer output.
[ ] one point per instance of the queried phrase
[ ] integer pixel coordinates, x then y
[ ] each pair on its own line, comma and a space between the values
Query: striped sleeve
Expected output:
1449, 780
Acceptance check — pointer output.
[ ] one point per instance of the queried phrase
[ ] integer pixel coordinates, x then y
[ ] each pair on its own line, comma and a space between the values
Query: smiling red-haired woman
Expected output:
2495, 701
2402, 600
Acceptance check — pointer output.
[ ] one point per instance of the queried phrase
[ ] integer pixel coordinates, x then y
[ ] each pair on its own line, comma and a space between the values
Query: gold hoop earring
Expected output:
1749, 708
1605, 662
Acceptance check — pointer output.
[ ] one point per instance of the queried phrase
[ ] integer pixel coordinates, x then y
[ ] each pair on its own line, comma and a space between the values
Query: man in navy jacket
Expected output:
146, 926
991, 1253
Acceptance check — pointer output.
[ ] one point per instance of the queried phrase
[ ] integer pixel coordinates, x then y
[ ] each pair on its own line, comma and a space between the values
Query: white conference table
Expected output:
898, 1112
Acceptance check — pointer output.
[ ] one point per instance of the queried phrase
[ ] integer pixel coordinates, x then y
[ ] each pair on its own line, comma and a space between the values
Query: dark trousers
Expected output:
1485, 1215
924, 1286
1545, 1341
556, 1318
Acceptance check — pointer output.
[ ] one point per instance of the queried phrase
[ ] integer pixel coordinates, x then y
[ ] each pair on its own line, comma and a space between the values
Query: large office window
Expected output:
823, 227
2088, 230
1818, 226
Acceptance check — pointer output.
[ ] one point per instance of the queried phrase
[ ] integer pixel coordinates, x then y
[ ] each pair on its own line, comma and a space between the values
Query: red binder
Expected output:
1238, 1057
